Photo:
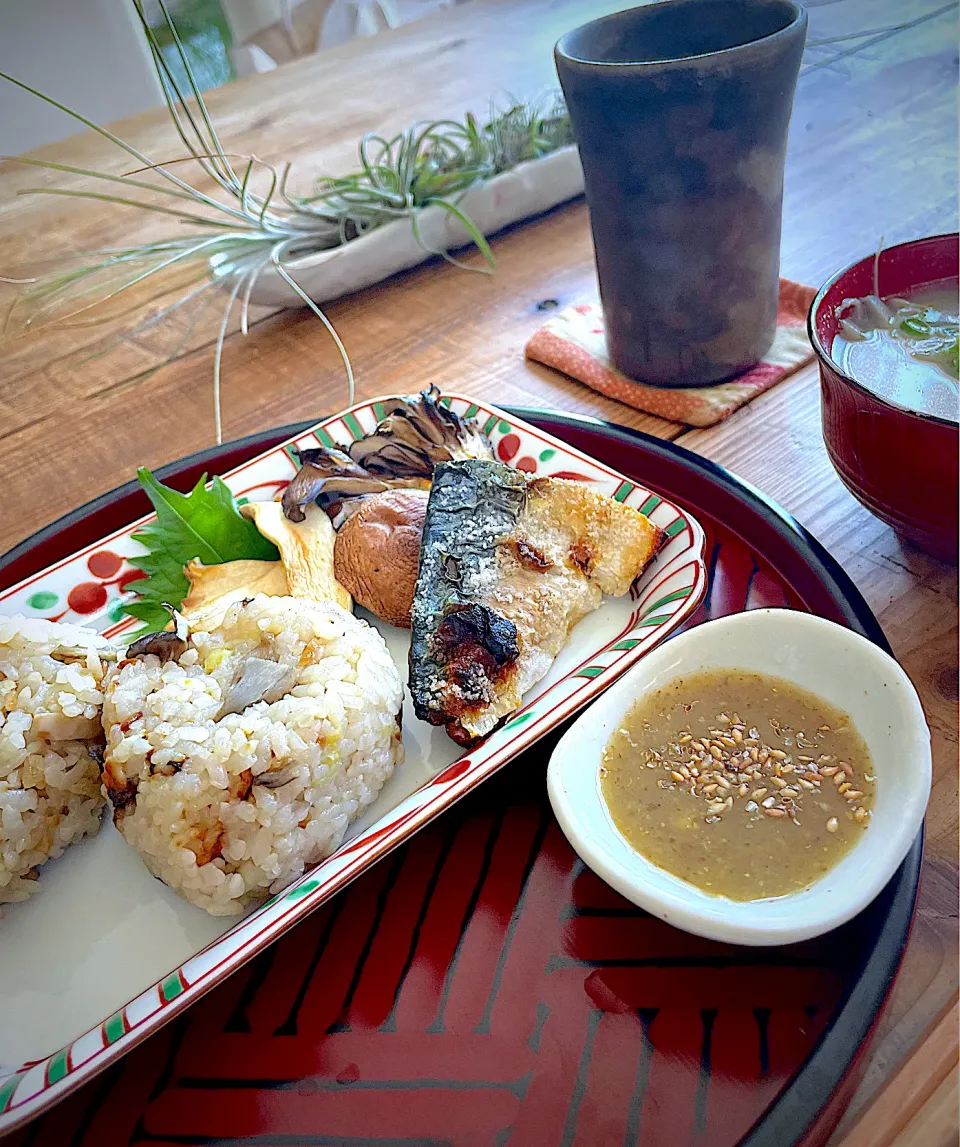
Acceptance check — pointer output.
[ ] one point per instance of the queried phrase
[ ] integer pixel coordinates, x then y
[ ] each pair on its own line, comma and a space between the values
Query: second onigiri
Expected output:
237, 757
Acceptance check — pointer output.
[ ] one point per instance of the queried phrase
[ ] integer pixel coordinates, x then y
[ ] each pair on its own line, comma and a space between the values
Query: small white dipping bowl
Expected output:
836, 664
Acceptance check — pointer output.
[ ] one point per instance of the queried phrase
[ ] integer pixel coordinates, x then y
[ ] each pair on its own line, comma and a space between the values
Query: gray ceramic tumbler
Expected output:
680, 110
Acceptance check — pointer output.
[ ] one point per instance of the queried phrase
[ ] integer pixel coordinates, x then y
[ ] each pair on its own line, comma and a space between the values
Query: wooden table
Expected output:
872, 153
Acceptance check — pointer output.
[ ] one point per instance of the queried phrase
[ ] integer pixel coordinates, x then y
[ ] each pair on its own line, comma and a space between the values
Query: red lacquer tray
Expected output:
479, 986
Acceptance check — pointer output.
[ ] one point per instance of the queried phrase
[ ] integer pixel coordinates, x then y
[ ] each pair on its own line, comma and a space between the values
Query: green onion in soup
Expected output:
904, 349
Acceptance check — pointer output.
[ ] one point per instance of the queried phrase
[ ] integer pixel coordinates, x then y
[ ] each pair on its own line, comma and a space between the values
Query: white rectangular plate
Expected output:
104, 954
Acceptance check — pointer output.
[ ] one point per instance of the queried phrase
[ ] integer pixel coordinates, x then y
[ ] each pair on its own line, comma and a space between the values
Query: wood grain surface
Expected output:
872, 154
918, 1106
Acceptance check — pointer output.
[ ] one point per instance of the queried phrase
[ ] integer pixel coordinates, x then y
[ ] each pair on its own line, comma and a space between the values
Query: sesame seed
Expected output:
759, 794
845, 787
769, 802
774, 812
860, 814
833, 824
778, 754
829, 771
677, 776
853, 795
715, 753
751, 806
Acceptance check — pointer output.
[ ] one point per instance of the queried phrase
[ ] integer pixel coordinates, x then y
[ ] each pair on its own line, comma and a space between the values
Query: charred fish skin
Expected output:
460, 646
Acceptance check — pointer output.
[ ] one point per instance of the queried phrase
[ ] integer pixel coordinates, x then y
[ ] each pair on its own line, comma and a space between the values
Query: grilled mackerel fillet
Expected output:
508, 565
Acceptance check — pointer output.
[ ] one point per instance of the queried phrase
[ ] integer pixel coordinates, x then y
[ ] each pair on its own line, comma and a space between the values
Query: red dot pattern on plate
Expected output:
453, 773
507, 447
573, 476
87, 597
129, 576
104, 564
528, 465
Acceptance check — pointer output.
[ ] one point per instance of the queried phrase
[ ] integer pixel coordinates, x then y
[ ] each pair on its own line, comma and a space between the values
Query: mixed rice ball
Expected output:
237, 757
51, 677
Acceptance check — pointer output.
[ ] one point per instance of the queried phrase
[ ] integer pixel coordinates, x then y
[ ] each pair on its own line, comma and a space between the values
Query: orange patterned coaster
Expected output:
574, 341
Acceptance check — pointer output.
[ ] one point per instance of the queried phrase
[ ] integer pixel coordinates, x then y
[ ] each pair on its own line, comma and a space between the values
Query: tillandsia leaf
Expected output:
205, 524
210, 143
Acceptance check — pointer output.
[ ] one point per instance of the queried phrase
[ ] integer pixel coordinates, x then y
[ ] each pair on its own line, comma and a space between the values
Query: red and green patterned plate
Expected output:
479, 986
61, 1019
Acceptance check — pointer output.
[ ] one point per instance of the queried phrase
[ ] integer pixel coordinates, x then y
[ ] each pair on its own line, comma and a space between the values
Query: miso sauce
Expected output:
739, 783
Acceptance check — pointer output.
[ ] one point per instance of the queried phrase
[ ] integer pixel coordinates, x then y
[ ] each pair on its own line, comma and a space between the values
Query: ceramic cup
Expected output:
680, 111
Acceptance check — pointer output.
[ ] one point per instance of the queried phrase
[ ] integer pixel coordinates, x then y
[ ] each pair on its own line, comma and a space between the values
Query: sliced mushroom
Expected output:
69, 653
314, 484
277, 780
170, 645
213, 589
306, 550
259, 680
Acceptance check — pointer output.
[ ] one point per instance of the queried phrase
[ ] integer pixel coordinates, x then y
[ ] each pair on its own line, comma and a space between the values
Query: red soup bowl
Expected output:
901, 464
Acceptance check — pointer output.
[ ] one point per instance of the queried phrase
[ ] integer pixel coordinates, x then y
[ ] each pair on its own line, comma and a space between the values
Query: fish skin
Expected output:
508, 566
460, 645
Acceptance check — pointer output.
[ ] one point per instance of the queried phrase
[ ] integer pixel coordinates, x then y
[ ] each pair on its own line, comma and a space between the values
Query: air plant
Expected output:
236, 233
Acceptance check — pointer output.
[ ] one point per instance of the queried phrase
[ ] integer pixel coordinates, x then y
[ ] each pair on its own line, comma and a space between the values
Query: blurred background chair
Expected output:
270, 32
92, 56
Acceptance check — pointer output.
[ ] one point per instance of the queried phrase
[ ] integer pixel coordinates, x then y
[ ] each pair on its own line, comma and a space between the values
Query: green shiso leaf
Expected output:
205, 524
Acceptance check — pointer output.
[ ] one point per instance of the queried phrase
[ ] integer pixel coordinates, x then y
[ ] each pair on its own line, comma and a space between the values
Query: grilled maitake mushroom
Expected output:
413, 436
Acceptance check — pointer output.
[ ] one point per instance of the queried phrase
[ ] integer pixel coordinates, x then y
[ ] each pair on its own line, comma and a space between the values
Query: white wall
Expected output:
88, 54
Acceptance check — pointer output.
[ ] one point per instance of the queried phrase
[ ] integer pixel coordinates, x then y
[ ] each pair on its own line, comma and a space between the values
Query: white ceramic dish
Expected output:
528, 189
61, 1018
847, 670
